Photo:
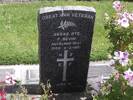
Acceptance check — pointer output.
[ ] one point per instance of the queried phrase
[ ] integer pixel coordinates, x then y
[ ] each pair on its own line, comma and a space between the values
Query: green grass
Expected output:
19, 33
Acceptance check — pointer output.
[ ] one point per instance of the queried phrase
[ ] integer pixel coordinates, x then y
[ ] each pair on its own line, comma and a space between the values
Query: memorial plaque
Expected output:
65, 43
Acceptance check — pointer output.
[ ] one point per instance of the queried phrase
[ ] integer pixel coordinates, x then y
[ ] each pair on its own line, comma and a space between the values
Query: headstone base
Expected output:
31, 88
36, 89
73, 96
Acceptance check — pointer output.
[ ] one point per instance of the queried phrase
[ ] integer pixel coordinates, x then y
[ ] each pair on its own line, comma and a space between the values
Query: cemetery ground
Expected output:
19, 35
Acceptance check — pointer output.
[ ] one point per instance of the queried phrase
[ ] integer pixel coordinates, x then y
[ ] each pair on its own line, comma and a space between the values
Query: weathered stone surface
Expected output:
65, 44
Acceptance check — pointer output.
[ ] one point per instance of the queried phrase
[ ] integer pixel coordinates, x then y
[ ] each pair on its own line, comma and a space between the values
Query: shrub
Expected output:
119, 27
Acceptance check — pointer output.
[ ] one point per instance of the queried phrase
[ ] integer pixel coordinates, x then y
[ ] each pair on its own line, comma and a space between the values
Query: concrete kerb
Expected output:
94, 67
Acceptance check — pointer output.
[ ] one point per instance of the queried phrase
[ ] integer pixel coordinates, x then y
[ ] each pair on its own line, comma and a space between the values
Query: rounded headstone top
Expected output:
61, 8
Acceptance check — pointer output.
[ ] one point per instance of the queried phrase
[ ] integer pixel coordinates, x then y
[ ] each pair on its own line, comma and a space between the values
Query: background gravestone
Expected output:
65, 44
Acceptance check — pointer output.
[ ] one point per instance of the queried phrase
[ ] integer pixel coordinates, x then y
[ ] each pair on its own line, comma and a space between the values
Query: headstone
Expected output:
65, 43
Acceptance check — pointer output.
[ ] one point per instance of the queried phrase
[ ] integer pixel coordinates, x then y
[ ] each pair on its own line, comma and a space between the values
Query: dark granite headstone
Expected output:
65, 43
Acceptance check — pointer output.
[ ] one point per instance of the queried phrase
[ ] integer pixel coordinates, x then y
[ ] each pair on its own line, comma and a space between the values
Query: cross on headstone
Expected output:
64, 60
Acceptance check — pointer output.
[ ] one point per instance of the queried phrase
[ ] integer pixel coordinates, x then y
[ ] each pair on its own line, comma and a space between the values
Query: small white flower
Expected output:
130, 83
122, 57
118, 21
106, 16
125, 15
123, 62
131, 16
128, 75
117, 6
116, 3
10, 79
124, 22
112, 62
118, 55
109, 56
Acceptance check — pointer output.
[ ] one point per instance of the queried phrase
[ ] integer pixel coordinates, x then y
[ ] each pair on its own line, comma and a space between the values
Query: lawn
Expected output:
19, 32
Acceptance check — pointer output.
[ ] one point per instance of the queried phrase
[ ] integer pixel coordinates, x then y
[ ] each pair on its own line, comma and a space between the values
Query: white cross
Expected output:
64, 60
